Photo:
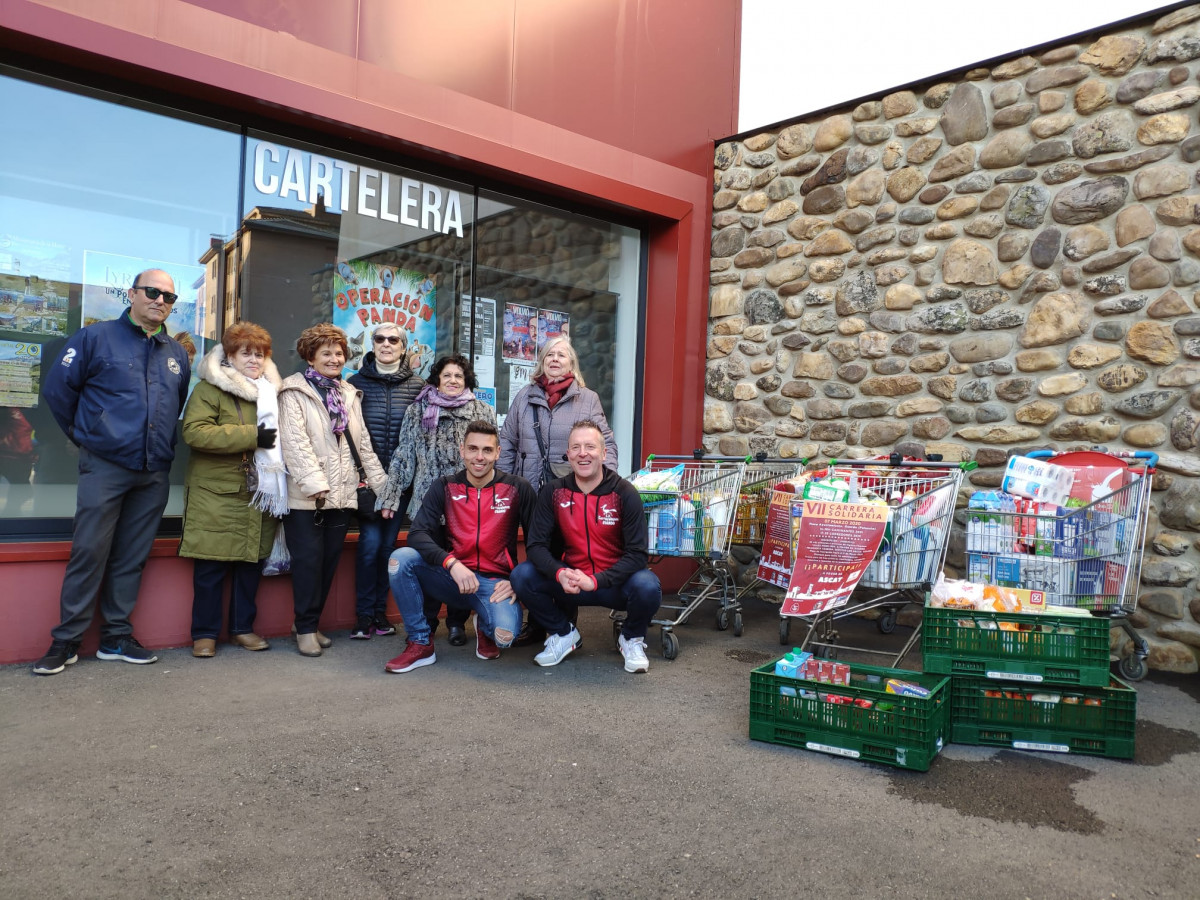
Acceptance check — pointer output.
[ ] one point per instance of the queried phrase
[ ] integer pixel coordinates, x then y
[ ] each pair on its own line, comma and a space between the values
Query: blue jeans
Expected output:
376, 541
413, 580
640, 597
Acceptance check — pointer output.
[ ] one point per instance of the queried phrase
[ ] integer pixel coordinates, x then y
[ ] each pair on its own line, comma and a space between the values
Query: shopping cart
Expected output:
690, 515
750, 519
1087, 556
922, 495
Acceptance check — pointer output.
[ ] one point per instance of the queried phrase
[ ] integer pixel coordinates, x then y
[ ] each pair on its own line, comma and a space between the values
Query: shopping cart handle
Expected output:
1150, 458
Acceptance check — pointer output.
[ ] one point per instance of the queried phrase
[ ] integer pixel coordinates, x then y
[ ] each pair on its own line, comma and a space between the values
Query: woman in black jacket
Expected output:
389, 386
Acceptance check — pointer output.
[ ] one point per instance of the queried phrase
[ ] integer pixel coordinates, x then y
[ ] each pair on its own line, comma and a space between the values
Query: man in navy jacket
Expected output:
117, 391
587, 547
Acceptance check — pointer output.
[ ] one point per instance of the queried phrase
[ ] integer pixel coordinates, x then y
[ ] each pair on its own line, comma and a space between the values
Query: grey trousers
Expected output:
116, 518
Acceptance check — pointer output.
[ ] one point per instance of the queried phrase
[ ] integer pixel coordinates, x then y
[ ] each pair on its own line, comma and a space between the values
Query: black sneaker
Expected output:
362, 629
60, 655
127, 649
383, 627
458, 635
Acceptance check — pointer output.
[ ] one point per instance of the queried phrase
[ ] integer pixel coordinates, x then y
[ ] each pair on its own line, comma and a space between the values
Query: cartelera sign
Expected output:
286, 172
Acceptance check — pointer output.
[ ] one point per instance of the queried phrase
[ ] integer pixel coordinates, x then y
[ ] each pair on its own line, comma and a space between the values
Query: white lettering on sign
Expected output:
286, 172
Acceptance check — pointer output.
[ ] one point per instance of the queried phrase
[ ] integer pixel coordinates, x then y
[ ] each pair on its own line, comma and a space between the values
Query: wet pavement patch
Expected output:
754, 657
1156, 744
1189, 684
1009, 787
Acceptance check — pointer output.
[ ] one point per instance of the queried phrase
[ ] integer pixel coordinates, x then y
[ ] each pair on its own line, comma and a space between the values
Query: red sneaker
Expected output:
414, 656
485, 647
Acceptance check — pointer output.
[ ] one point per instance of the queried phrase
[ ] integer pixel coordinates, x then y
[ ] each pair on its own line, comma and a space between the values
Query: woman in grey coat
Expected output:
546, 408
554, 400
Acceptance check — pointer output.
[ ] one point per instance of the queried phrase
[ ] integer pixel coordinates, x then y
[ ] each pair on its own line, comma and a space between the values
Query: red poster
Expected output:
775, 563
836, 541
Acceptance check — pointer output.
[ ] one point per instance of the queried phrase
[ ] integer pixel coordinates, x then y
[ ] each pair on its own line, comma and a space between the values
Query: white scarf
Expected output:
271, 496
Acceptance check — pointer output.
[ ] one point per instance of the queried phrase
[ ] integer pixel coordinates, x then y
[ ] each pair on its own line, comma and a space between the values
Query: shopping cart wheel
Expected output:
722, 619
737, 624
825, 651
887, 621
1132, 667
785, 628
670, 645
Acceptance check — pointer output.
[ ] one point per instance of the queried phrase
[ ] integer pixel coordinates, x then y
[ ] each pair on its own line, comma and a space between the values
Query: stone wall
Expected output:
1002, 261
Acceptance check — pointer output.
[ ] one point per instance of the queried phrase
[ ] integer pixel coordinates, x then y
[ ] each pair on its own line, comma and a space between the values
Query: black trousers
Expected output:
315, 539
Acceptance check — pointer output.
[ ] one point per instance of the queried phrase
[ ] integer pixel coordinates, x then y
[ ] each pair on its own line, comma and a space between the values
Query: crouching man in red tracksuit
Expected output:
587, 547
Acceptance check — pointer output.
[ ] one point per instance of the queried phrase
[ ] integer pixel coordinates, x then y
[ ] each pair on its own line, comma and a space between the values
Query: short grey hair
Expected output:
540, 368
391, 326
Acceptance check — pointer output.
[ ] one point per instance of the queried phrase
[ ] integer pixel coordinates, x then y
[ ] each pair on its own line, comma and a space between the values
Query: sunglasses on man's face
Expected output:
389, 338
154, 293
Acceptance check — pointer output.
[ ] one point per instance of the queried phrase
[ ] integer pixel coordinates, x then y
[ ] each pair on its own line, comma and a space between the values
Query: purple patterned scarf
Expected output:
333, 398
435, 400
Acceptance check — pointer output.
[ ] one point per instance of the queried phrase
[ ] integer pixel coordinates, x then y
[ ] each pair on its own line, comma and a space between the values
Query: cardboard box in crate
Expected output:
1098, 721
908, 732
1033, 647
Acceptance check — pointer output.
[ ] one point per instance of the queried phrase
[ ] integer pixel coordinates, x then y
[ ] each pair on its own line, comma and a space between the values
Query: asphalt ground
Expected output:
272, 775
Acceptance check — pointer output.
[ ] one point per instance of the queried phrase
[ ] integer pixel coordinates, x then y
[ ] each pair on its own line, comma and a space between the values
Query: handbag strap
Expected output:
537, 432
362, 476
237, 404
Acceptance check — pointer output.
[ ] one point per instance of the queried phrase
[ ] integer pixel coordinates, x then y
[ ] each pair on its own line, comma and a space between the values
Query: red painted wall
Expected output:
612, 103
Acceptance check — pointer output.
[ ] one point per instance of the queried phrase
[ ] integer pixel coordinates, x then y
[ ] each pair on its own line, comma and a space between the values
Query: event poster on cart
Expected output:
836, 542
775, 562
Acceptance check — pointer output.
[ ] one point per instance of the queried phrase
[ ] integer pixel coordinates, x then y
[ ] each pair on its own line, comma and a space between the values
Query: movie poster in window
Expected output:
107, 278
366, 294
552, 323
520, 334
20, 373
35, 286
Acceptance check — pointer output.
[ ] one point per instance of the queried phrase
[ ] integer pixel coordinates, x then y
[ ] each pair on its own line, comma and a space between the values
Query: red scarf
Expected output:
554, 389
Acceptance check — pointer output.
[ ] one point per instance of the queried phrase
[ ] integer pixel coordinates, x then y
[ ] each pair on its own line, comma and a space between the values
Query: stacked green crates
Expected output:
908, 732
1035, 681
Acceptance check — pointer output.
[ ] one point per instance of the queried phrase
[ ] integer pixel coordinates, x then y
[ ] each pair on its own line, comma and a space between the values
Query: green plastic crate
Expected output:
1013, 720
1063, 649
909, 735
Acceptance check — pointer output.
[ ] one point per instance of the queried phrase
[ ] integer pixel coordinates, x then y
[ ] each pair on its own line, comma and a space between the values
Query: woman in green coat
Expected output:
230, 424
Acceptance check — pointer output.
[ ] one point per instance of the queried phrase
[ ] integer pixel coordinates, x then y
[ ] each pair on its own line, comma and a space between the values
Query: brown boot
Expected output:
250, 641
307, 644
204, 648
321, 639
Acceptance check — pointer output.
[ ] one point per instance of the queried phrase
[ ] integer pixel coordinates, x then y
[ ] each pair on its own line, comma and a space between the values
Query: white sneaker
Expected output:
634, 651
558, 646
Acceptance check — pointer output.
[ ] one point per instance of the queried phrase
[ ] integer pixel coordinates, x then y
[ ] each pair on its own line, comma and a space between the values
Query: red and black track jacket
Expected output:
602, 533
476, 525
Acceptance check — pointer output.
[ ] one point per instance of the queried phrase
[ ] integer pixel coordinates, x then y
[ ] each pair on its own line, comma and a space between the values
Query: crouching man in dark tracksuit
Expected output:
461, 548
587, 547
116, 390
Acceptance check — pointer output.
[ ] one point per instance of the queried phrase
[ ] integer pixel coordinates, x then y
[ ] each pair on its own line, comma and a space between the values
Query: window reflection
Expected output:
348, 241
101, 190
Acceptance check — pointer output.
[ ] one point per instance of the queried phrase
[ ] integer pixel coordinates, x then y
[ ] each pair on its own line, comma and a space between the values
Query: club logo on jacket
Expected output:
69, 357
173, 365
501, 504
608, 514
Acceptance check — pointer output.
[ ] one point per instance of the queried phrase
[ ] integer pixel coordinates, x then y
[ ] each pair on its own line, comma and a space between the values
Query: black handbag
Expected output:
366, 496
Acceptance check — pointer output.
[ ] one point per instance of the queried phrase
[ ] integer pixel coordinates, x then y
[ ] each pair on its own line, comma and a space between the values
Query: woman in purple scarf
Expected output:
430, 436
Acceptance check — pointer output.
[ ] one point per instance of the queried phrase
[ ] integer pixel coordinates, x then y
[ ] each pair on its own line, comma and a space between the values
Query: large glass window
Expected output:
92, 191
541, 272
286, 234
